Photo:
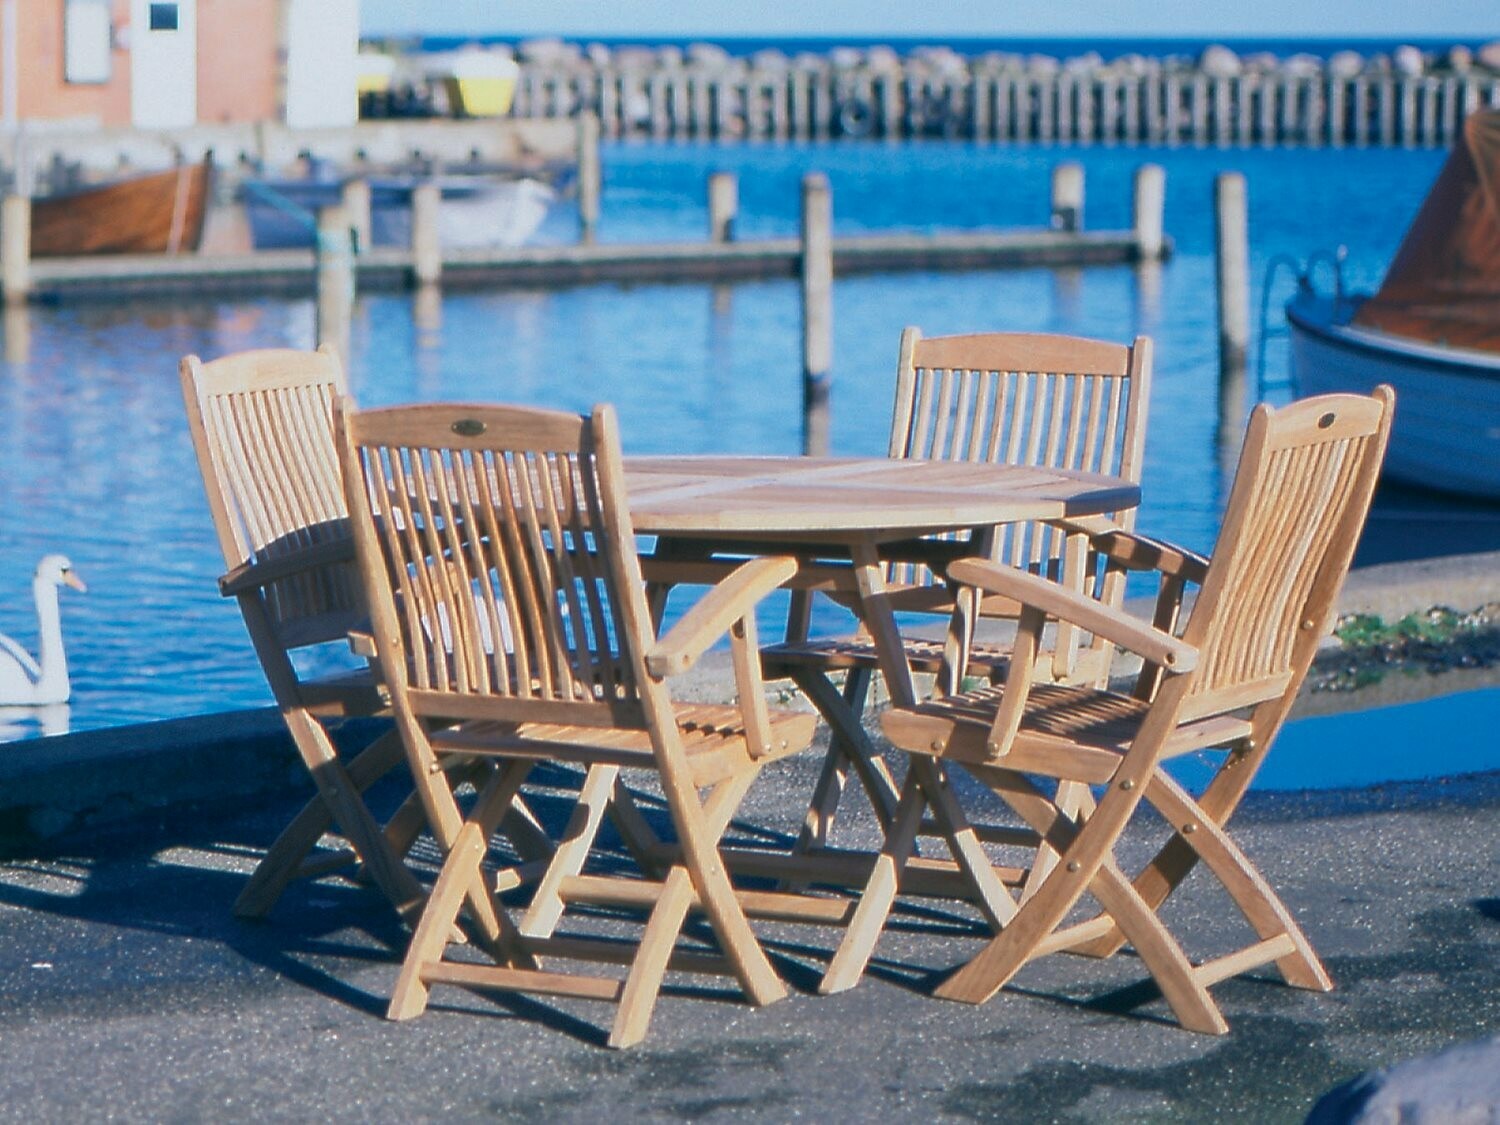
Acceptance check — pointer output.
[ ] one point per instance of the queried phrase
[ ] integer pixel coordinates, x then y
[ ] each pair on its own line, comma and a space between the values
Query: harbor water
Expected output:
95, 460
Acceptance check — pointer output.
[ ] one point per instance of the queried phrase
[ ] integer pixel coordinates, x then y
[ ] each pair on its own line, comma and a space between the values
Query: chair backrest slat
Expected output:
496, 572
1029, 399
1306, 477
261, 423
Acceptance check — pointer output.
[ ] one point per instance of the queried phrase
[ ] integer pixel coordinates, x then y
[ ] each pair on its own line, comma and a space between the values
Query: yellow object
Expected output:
481, 97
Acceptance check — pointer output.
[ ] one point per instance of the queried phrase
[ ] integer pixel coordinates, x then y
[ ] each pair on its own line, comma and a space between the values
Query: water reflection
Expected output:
17, 329
28, 722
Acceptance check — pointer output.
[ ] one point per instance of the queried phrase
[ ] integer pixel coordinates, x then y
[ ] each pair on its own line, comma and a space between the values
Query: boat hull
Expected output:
159, 213
472, 213
1446, 432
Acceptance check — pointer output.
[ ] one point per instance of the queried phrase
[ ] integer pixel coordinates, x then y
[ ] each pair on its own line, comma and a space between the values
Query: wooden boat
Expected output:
158, 213
1432, 330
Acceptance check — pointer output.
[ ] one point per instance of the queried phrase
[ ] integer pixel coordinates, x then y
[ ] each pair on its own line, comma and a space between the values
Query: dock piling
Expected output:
1148, 206
723, 206
588, 177
817, 312
426, 245
1067, 197
15, 249
335, 284
1232, 273
356, 199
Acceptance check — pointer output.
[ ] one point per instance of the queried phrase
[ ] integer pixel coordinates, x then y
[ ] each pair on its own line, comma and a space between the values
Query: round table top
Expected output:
808, 497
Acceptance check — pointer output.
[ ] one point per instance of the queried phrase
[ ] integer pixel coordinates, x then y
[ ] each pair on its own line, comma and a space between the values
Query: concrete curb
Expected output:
53, 787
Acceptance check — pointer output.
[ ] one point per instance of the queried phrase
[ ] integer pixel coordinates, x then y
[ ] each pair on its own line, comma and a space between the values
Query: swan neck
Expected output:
51, 658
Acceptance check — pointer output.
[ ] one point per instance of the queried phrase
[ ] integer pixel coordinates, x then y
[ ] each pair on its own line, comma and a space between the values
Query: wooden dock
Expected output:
295, 271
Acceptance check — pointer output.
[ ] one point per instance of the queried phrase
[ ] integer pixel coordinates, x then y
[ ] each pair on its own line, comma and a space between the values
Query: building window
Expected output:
164, 17
86, 41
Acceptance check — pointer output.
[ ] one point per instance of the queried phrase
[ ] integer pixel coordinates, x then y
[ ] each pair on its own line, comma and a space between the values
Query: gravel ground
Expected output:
129, 993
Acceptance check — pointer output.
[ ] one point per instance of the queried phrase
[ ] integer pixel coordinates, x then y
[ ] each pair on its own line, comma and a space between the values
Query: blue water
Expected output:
1439, 737
1057, 47
95, 459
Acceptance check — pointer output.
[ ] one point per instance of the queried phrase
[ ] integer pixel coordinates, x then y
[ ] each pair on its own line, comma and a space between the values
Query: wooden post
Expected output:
335, 278
1067, 197
588, 177
426, 245
817, 312
356, 200
1232, 260
1149, 206
15, 249
723, 205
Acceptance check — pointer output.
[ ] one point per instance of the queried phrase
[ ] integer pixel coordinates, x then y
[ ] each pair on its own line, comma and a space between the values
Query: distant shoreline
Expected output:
1107, 46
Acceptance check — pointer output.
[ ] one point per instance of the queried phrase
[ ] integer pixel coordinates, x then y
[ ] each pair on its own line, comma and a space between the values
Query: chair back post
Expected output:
1305, 481
1036, 399
261, 425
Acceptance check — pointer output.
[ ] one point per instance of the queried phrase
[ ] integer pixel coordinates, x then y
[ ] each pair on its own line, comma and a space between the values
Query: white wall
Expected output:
164, 66
322, 39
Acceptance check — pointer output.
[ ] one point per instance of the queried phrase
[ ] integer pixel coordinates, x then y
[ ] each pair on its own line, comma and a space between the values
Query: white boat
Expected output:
1432, 330
474, 212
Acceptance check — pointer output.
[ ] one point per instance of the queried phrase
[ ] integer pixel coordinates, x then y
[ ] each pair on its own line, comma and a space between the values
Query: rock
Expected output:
1408, 62
1218, 61
547, 52
1345, 64
769, 58
1083, 64
669, 56
1459, 1085
598, 54
707, 54
1042, 64
883, 58
1460, 59
1488, 56
1262, 62
941, 60
845, 58
1302, 65
1135, 65
635, 58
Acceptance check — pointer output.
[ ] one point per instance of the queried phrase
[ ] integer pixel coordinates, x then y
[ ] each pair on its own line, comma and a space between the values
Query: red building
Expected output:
155, 64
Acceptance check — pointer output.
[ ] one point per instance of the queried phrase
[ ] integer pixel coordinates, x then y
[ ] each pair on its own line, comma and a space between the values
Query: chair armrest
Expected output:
1060, 602
713, 614
263, 572
1141, 552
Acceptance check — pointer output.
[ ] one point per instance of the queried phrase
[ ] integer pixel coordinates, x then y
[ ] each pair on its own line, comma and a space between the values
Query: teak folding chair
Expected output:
1305, 479
1056, 401
262, 428
511, 625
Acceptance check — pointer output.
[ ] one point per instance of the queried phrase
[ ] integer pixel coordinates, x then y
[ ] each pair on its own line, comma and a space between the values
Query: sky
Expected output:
1433, 19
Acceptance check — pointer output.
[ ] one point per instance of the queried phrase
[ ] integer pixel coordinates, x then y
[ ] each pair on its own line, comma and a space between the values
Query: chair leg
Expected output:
283, 860
350, 815
1260, 905
879, 894
1082, 850
716, 896
823, 806
1073, 800
848, 739
460, 871
649, 969
700, 829
1169, 966
577, 840
462, 880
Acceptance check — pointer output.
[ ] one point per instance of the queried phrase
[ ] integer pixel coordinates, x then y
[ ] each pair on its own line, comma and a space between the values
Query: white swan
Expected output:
32, 682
